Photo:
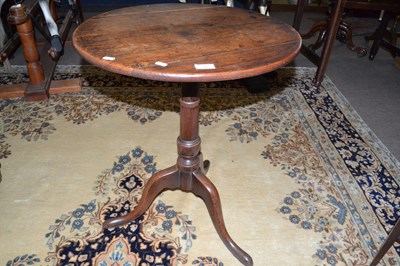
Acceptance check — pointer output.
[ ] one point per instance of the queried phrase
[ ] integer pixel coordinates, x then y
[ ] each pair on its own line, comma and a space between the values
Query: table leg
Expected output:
187, 175
205, 189
162, 180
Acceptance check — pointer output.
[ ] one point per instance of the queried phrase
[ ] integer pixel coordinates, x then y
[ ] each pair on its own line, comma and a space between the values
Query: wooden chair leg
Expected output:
378, 35
79, 11
333, 26
298, 15
327, 49
393, 237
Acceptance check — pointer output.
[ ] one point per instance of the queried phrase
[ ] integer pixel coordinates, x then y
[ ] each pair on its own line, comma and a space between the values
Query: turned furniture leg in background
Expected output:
187, 175
18, 17
41, 66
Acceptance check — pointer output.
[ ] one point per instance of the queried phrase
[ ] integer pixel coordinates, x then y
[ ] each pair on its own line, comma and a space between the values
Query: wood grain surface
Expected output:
238, 42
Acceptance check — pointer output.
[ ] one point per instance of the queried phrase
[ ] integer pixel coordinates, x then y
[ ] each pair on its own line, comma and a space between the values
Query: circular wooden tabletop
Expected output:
186, 42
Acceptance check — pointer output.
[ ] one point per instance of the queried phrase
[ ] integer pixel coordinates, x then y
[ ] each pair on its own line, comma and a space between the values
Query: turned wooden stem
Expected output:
187, 175
24, 27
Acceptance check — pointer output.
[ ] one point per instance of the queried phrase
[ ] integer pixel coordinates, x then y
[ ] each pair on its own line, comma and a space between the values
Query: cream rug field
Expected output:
302, 180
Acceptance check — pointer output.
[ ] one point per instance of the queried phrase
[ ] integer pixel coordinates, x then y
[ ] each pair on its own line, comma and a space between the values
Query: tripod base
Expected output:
189, 175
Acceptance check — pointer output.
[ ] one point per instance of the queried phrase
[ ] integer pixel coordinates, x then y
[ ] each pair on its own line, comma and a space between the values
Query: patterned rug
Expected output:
302, 180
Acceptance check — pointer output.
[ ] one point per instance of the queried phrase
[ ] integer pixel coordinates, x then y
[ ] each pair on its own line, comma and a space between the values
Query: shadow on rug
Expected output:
302, 180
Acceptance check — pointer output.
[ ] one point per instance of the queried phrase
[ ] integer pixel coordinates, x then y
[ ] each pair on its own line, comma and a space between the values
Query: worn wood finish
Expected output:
239, 43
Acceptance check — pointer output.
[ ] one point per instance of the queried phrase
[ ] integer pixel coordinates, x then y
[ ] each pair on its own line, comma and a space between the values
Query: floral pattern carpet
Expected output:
302, 180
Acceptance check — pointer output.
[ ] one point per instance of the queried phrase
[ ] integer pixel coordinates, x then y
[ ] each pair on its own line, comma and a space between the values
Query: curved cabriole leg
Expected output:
204, 164
205, 189
162, 180
318, 26
187, 175
345, 35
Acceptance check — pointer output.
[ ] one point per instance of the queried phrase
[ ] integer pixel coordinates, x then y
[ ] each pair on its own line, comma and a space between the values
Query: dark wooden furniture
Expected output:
344, 33
186, 43
330, 28
379, 36
393, 237
40, 65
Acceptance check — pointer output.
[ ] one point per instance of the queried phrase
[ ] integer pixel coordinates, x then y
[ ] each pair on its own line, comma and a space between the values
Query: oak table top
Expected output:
186, 43
165, 41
